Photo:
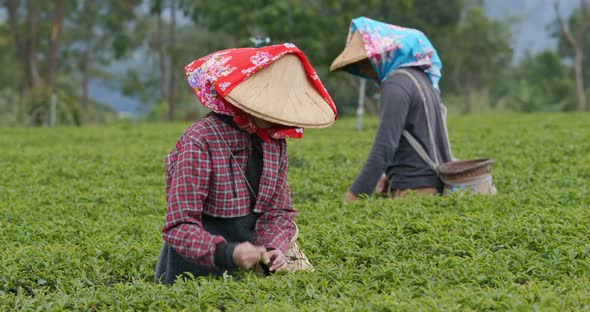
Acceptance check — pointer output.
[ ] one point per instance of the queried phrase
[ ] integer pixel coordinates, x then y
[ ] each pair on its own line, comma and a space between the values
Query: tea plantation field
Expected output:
81, 211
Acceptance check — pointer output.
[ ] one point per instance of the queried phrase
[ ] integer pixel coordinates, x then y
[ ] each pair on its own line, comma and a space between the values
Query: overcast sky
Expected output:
531, 32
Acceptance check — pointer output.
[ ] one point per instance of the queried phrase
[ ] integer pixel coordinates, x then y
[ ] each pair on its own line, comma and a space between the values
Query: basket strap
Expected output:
432, 163
426, 112
444, 120
420, 150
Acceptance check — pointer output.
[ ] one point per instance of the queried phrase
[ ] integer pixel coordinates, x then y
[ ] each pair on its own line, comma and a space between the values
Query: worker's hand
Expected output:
382, 188
246, 255
276, 259
350, 197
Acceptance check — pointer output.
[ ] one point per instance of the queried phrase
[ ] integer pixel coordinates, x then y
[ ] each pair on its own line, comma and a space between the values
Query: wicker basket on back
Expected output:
465, 170
472, 175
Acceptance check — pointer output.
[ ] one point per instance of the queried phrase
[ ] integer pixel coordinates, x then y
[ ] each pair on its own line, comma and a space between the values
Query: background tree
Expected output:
480, 52
173, 57
99, 33
540, 82
151, 79
57, 39
319, 29
11, 78
573, 42
139, 47
39, 57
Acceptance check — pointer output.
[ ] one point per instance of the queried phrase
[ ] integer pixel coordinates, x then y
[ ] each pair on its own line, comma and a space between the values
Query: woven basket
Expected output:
465, 170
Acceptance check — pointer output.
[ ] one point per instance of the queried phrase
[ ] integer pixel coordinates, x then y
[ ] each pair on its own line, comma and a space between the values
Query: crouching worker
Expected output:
412, 128
228, 201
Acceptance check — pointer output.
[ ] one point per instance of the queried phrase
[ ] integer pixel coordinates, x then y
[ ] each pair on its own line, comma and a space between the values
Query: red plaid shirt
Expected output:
200, 180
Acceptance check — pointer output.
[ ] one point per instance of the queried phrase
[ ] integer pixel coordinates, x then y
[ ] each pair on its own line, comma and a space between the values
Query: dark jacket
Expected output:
402, 109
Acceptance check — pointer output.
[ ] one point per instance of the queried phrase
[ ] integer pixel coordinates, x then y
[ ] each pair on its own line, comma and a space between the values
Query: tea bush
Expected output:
81, 211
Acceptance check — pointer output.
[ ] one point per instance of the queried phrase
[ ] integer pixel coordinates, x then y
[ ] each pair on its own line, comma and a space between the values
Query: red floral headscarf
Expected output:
212, 78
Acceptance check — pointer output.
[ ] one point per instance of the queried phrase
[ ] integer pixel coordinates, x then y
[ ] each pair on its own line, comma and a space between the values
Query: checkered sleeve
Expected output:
187, 187
274, 227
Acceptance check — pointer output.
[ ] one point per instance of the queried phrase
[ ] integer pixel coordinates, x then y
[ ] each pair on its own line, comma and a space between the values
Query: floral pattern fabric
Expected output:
390, 47
214, 76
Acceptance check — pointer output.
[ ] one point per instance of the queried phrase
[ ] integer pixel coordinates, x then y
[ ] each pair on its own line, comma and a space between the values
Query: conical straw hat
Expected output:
353, 52
281, 93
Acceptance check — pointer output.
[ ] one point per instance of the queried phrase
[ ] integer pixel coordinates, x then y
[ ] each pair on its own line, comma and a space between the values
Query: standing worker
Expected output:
405, 65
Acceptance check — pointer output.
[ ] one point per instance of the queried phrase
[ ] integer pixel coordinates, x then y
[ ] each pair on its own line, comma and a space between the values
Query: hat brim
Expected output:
352, 53
281, 93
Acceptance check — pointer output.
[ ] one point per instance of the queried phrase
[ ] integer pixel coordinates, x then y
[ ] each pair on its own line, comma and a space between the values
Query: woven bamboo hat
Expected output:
465, 170
281, 93
354, 55
353, 52
274, 83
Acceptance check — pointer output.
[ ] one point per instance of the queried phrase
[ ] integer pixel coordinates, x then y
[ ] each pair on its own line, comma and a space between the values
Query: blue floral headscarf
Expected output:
390, 47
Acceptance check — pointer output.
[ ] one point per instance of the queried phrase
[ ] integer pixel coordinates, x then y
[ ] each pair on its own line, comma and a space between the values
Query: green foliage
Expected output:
106, 30
118, 44
474, 48
319, 28
157, 113
145, 81
10, 73
93, 35
480, 53
36, 104
539, 83
81, 212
